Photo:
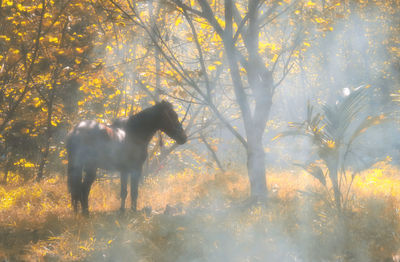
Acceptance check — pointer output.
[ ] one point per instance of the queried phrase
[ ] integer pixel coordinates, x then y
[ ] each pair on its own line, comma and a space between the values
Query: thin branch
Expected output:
179, 69
270, 11
201, 57
213, 153
14, 107
187, 8
286, 72
240, 28
209, 15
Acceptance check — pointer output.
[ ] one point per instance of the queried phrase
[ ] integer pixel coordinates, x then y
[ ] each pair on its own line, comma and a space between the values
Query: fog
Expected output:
335, 74
353, 55
334, 64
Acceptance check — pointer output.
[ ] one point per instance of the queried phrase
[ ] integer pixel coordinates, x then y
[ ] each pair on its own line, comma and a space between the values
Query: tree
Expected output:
64, 61
252, 78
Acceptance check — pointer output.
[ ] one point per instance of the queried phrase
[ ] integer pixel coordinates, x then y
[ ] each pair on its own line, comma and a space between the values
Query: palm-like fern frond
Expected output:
333, 132
315, 171
338, 118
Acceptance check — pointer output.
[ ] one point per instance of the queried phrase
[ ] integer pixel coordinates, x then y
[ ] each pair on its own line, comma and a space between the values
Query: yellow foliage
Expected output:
273, 47
320, 20
178, 21
22, 162
6, 38
380, 181
274, 58
37, 101
13, 51
310, 4
220, 21
330, 144
79, 50
276, 137
53, 40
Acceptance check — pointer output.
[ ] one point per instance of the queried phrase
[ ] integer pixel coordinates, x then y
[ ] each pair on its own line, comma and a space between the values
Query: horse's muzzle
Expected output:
182, 139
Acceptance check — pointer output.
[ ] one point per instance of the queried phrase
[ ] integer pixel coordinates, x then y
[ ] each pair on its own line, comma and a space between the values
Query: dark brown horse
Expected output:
120, 147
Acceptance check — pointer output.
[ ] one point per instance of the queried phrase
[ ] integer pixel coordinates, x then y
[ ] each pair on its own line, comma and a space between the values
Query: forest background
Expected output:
251, 76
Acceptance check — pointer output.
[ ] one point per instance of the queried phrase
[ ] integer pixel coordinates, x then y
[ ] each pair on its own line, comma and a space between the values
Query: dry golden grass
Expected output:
208, 220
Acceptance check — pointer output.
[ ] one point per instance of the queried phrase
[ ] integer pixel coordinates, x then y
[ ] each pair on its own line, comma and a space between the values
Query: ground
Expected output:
192, 216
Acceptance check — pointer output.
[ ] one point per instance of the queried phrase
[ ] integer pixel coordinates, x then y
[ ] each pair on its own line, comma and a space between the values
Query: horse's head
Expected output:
170, 123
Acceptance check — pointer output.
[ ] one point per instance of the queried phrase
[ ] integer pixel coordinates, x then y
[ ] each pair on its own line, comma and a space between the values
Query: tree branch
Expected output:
14, 106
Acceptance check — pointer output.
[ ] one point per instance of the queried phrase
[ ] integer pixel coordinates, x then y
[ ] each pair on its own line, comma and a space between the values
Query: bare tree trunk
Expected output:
256, 170
259, 78
5, 176
254, 123
6, 171
49, 133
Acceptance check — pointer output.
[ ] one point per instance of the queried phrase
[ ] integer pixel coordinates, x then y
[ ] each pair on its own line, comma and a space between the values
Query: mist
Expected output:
290, 109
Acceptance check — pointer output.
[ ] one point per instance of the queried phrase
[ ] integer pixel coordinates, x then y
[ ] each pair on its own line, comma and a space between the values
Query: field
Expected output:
203, 217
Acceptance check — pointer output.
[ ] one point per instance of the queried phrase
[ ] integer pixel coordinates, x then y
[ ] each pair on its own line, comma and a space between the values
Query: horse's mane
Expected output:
146, 116
138, 119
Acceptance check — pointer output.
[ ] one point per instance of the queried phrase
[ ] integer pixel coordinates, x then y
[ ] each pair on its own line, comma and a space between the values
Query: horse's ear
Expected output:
165, 103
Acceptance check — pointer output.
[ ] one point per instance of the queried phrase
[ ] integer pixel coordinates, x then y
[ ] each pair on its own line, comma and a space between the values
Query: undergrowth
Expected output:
203, 217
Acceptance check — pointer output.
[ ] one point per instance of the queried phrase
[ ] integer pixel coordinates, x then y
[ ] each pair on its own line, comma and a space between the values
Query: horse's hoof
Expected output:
121, 213
147, 210
85, 213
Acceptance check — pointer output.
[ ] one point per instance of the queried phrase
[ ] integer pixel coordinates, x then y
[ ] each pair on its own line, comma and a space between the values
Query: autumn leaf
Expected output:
79, 50
310, 4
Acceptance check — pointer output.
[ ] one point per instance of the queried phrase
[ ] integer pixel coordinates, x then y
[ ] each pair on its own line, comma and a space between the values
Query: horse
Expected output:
121, 146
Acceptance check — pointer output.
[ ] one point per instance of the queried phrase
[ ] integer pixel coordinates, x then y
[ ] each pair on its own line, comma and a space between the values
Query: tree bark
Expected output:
254, 124
259, 81
256, 169
49, 134
6, 172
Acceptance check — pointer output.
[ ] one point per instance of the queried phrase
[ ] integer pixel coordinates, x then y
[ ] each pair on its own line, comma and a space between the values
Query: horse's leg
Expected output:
74, 184
124, 191
90, 176
135, 176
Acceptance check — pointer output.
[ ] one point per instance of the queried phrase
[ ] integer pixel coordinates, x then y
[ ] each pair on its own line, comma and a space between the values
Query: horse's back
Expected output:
95, 144
88, 141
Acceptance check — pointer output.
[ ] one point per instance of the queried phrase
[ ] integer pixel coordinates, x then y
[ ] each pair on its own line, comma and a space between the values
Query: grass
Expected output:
203, 217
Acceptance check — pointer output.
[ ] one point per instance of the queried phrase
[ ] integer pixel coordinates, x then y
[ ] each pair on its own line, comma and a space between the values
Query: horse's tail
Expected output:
70, 146
74, 162
74, 172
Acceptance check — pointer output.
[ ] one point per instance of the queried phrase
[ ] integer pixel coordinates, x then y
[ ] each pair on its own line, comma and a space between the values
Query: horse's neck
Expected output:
145, 137
143, 128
